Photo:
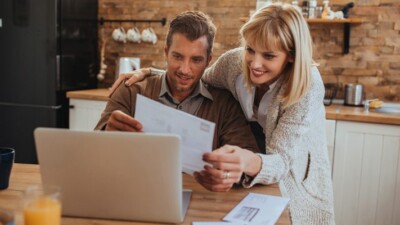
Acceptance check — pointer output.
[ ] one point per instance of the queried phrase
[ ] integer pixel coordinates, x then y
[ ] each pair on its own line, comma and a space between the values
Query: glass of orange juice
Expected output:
42, 205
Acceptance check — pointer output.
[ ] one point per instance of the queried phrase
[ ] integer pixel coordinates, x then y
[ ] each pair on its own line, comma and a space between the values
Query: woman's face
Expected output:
265, 65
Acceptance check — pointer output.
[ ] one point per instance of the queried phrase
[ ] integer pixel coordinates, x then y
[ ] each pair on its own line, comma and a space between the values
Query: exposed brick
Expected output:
369, 81
374, 44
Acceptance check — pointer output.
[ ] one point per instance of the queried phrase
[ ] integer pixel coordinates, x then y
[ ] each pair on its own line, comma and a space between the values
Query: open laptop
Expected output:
114, 175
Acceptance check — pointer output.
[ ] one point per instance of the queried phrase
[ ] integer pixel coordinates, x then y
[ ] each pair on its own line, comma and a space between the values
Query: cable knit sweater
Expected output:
296, 150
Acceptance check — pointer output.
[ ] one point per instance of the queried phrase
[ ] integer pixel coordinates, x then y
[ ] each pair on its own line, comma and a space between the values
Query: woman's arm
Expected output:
297, 139
224, 72
134, 76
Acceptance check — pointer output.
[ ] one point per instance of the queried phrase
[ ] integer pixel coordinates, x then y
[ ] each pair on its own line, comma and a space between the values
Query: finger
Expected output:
123, 122
223, 177
224, 158
223, 154
137, 75
209, 185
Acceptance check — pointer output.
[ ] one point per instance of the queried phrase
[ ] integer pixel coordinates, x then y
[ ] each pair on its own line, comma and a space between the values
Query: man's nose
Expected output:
185, 67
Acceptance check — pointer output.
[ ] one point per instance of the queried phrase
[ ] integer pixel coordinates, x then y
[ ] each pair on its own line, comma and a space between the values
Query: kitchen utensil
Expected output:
330, 93
133, 35
119, 34
353, 94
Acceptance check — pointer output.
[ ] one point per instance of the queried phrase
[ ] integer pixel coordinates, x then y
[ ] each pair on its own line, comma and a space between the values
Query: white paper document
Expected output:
258, 209
215, 223
196, 134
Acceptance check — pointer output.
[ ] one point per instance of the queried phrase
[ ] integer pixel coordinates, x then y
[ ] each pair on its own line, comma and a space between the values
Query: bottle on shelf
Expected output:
312, 5
304, 8
295, 4
262, 3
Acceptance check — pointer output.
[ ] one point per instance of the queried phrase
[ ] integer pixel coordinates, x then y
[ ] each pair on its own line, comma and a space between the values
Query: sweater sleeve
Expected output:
224, 72
290, 138
123, 99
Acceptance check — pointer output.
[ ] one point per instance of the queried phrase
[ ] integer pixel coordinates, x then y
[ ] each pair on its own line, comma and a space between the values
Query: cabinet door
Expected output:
366, 177
84, 114
330, 141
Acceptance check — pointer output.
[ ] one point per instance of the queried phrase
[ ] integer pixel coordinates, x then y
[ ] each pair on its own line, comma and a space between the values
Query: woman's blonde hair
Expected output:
281, 27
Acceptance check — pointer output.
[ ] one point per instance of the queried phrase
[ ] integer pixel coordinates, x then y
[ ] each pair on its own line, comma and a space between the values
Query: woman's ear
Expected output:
291, 57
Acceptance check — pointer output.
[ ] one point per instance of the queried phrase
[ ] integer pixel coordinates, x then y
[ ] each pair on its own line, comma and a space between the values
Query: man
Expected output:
188, 52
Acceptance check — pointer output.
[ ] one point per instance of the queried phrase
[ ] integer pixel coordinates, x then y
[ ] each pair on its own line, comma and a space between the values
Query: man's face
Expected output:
186, 61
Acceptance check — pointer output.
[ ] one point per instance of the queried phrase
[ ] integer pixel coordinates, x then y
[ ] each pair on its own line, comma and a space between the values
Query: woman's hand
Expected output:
130, 78
227, 164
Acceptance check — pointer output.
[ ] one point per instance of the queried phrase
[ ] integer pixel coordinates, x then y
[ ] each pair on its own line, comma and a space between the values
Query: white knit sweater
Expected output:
297, 154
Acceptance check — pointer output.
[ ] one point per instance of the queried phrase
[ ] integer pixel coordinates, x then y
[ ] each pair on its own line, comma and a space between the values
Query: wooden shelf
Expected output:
346, 29
320, 20
348, 20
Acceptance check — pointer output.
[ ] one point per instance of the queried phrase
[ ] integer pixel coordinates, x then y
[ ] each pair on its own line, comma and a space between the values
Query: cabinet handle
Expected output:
71, 106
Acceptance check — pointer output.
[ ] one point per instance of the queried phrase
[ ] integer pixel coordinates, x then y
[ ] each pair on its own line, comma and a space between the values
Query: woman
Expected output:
277, 85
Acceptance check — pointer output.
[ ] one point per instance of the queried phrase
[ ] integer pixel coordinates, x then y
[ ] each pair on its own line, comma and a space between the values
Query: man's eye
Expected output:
177, 56
197, 60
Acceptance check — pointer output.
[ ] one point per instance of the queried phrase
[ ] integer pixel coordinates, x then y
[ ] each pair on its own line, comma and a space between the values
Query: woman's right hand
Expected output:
130, 78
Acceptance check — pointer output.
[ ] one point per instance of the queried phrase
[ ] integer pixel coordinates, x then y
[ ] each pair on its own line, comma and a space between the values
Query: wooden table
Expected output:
204, 206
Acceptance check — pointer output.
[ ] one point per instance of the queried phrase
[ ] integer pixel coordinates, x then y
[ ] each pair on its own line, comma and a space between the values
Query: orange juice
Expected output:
43, 211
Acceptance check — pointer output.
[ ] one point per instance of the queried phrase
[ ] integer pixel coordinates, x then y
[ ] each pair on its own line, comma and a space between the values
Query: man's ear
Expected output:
209, 58
165, 51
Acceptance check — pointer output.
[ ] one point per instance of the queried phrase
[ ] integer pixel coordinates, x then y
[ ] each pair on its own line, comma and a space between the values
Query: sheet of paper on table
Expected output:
196, 134
258, 209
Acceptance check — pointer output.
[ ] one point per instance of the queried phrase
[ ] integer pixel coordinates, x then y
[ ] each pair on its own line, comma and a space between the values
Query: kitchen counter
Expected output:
333, 112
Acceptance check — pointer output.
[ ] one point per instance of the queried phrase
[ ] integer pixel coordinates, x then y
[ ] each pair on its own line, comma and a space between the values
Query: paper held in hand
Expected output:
196, 134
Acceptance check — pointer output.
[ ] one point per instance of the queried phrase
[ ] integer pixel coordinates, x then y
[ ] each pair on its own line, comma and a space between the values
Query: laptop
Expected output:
114, 175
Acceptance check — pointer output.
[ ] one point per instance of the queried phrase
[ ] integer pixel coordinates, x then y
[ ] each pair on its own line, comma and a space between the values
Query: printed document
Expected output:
258, 209
196, 134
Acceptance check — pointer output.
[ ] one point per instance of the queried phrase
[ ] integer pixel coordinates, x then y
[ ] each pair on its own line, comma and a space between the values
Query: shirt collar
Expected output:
200, 89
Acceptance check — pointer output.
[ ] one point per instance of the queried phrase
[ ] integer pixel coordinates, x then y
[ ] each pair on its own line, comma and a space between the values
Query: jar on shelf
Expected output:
312, 5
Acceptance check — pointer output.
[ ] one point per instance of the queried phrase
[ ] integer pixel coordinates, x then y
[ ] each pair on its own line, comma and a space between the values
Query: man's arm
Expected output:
119, 111
235, 129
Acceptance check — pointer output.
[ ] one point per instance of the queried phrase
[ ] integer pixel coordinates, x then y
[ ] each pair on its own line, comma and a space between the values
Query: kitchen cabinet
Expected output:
366, 173
330, 138
84, 114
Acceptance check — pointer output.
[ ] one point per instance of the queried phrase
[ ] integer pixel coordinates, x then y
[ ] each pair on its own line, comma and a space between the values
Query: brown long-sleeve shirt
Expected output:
231, 127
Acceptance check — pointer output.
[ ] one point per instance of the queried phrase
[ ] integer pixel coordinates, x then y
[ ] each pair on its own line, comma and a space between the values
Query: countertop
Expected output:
333, 112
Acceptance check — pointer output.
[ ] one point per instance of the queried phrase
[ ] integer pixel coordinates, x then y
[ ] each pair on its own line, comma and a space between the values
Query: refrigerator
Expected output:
47, 48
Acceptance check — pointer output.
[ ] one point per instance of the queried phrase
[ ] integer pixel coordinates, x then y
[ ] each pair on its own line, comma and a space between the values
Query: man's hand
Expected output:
120, 121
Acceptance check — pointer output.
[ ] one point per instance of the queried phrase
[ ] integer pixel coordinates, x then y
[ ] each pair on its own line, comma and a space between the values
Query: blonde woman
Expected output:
274, 79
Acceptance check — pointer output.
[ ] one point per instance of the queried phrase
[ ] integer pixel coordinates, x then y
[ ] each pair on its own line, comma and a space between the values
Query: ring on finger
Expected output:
226, 175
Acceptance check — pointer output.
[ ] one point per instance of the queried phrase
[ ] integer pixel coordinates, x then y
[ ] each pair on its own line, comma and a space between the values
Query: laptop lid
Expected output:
113, 175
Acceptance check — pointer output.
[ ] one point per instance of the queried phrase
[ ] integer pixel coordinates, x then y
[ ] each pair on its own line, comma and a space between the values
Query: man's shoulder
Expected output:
220, 94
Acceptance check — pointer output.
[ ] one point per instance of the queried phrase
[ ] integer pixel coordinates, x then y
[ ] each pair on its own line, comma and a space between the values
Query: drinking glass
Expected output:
42, 205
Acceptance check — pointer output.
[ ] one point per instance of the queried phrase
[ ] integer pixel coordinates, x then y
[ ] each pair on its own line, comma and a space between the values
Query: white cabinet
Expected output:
366, 173
330, 135
84, 114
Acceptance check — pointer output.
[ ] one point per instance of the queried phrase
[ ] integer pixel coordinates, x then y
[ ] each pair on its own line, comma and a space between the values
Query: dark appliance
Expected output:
47, 48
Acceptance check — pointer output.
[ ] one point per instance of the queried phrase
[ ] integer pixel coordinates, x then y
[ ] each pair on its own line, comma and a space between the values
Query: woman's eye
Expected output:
249, 50
268, 56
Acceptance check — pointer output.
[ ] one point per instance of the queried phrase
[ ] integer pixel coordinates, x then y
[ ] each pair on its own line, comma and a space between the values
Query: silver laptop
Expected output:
114, 175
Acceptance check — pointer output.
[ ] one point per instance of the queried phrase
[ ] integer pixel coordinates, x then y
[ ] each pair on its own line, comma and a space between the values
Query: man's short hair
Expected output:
194, 25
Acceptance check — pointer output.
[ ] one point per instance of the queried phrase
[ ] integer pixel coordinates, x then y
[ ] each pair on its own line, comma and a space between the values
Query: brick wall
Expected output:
373, 60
